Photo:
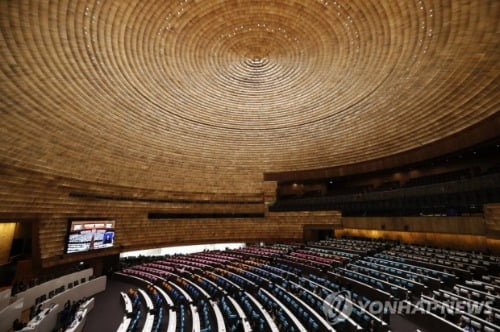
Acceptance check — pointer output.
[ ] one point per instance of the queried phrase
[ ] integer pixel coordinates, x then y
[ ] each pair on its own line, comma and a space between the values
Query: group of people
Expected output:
68, 314
18, 325
19, 286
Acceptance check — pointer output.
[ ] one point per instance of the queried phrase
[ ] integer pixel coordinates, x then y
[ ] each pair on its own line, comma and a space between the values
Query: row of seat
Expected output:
260, 251
182, 321
341, 254
315, 258
396, 291
481, 309
362, 317
286, 281
467, 261
491, 279
476, 294
455, 315
387, 276
440, 265
484, 286
358, 243
400, 263
195, 292
282, 321
229, 312
206, 325
408, 275
452, 253
309, 298
135, 321
181, 299
324, 254
300, 311
157, 323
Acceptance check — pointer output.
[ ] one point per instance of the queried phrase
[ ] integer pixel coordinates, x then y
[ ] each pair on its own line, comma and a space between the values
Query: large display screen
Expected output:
85, 235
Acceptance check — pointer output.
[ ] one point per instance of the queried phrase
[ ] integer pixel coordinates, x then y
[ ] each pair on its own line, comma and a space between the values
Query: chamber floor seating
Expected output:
286, 287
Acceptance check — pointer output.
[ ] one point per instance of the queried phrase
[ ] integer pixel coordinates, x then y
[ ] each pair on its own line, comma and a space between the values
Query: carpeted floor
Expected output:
108, 310
402, 324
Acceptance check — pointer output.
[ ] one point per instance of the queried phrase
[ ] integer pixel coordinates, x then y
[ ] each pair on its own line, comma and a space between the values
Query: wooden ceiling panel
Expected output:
208, 95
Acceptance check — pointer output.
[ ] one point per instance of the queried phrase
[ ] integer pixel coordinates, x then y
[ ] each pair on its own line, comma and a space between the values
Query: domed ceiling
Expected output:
207, 95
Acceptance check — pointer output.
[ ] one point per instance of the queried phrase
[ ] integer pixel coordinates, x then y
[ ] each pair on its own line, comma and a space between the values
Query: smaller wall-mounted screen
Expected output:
85, 235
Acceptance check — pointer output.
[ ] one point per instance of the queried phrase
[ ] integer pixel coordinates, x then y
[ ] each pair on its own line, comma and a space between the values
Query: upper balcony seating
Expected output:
438, 178
437, 198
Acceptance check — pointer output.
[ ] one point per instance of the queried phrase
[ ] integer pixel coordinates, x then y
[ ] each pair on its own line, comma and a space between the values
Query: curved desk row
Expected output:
31, 294
46, 320
127, 302
81, 316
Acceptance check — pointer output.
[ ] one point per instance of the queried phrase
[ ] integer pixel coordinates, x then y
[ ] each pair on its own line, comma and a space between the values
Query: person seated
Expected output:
465, 325
18, 325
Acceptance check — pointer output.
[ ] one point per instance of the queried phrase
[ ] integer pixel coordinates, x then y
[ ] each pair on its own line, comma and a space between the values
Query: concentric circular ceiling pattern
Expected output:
207, 95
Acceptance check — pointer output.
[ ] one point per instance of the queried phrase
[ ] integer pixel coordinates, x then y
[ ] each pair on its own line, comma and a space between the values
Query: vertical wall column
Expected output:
492, 227
6, 236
